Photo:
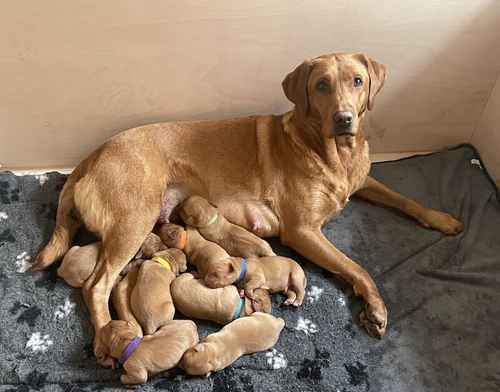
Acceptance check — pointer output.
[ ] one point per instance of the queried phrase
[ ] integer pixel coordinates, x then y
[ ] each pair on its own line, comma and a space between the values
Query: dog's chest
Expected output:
341, 181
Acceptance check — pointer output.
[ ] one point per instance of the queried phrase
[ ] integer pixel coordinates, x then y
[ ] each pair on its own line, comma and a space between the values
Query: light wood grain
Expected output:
73, 73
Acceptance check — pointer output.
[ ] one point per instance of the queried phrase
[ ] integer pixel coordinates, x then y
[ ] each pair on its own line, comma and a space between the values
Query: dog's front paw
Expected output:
441, 221
374, 318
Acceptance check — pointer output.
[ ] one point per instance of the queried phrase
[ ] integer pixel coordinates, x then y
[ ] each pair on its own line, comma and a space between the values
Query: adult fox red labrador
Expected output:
281, 175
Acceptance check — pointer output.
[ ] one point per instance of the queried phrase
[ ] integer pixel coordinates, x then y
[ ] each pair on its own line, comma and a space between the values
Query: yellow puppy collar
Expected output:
163, 262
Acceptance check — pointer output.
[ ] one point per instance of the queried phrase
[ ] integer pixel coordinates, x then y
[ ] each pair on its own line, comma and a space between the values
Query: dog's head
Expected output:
176, 258
172, 235
199, 360
334, 91
223, 273
196, 211
261, 301
116, 335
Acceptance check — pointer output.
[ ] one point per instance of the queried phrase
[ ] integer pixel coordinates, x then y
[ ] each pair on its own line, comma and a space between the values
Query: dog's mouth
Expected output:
345, 133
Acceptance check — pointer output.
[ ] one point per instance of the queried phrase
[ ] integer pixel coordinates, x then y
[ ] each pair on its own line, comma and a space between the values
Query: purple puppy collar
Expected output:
134, 343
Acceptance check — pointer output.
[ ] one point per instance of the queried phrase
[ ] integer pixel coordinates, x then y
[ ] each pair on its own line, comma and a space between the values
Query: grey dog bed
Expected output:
442, 294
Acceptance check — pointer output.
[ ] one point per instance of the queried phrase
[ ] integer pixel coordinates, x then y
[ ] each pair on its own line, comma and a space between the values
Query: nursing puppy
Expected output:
246, 335
79, 263
120, 297
237, 241
223, 305
150, 300
151, 354
173, 236
202, 253
150, 246
275, 273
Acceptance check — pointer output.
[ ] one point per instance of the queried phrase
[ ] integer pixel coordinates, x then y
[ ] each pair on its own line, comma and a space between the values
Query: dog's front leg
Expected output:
376, 192
312, 244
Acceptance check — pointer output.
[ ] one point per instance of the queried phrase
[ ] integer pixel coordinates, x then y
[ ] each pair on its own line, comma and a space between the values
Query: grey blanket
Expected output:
443, 296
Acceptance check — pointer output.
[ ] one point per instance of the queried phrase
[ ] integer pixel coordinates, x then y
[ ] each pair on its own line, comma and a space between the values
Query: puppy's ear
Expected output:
295, 87
377, 73
198, 348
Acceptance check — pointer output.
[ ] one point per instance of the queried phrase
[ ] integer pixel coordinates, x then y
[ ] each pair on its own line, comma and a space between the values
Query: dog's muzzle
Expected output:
342, 123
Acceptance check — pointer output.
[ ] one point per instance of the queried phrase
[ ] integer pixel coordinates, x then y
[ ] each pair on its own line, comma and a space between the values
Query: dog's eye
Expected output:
358, 81
322, 85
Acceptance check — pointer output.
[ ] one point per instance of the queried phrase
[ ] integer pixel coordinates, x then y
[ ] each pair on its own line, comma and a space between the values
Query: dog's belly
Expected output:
174, 195
254, 215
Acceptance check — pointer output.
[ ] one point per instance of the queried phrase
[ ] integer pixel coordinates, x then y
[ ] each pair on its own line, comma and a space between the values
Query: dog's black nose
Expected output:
343, 119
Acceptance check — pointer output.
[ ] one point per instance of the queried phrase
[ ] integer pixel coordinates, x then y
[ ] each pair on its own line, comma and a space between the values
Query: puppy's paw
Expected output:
106, 361
249, 293
288, 302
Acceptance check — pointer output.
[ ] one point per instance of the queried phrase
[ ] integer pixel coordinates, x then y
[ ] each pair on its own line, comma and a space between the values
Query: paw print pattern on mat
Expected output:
39, 343
8, 195
6, 236
313, 368
306, 326
314, 294
23, 262
276, 360
42, 178
63, 311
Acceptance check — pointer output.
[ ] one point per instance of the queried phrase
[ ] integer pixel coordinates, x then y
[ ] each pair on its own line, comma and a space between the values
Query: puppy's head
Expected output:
333, 92
150, 246
261, 301
173, 236
196, 211
200, 360
116, 335
176, 259
223, 273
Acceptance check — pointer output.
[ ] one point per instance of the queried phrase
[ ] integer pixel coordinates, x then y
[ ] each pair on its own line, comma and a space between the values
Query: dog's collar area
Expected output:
131, 347
242, 273
239, 308
213, 219
163, 262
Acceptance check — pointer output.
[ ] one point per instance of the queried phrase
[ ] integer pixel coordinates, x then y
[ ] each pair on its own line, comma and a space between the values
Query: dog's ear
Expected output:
295, 87
377, 73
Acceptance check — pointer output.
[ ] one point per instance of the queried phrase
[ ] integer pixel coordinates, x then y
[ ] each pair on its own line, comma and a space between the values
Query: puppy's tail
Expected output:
67, 223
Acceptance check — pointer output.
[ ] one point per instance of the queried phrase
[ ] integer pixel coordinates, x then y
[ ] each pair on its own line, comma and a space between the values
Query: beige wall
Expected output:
72, 73
487, 136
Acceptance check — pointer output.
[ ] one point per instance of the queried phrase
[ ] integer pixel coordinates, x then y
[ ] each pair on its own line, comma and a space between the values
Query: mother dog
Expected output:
280, 176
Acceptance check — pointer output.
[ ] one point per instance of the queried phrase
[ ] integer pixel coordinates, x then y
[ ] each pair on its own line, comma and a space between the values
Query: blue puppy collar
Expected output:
242, 273
239, 308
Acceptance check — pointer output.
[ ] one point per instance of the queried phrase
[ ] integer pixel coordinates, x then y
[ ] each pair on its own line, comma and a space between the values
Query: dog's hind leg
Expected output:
119, 247
67, 223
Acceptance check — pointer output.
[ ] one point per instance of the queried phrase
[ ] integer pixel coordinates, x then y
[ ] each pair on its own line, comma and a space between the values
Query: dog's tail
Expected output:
67, 223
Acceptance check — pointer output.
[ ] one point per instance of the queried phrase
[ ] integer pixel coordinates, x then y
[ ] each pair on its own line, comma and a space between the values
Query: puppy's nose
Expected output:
343, 120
